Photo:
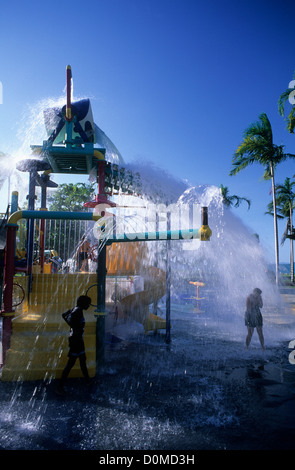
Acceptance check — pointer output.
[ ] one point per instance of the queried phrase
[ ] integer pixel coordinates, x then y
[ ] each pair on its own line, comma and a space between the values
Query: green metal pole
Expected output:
100, 310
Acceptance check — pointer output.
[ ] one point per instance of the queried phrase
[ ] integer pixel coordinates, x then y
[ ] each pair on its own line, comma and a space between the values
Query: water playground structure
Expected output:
34, 336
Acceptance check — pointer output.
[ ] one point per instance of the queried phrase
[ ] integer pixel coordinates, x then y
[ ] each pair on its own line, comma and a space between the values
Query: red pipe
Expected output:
101, 177
8, 289
9, 268
101, 197
68, 108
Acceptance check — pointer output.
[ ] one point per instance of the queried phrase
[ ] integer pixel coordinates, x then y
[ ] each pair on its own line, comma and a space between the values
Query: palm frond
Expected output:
284, 236
282, 101
240, 164
281, 108
291, 120
235, 200
280, 212
260, 129
243, 199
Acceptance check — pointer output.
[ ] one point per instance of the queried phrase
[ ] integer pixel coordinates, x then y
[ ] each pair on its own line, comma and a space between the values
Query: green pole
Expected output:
100, 309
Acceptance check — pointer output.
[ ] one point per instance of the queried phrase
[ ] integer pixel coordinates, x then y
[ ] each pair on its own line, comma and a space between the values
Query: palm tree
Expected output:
233, 200
258, 147
281, 105
285, 199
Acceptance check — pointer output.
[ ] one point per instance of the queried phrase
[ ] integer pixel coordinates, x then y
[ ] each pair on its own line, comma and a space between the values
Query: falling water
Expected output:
231, 265
150, 392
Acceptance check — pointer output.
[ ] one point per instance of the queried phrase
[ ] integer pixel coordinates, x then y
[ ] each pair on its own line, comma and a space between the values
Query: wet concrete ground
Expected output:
141, 401
201, 392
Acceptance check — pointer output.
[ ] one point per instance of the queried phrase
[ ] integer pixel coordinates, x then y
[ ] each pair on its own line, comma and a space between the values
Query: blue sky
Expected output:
174, 82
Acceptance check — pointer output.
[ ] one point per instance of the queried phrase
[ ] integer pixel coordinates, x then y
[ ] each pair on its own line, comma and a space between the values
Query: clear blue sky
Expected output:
175, 82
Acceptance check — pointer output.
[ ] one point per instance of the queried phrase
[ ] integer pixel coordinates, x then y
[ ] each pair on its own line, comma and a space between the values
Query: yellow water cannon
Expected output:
205, 232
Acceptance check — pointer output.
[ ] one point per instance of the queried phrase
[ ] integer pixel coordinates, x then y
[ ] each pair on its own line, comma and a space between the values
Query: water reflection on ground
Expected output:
203, 391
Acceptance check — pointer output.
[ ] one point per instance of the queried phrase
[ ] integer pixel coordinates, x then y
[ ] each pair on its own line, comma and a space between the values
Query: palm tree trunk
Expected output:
291, 262
275, 221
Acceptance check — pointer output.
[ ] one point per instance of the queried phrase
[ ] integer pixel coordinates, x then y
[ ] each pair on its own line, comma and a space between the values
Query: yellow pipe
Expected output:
205, 233
98, 154
15, 217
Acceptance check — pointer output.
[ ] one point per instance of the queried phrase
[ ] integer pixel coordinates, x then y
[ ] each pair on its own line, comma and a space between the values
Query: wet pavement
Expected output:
154, 397
204, 391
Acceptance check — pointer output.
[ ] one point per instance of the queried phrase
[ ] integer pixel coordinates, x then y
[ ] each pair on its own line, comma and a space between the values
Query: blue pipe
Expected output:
44, 214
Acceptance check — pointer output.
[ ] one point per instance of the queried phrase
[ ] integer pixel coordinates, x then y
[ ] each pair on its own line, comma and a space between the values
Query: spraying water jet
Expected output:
70, 149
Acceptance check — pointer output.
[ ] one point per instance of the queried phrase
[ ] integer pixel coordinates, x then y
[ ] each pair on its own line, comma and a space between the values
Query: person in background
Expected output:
253, 316
82, 254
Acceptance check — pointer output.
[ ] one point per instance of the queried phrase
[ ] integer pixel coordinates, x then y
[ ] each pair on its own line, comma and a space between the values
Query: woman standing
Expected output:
253, 317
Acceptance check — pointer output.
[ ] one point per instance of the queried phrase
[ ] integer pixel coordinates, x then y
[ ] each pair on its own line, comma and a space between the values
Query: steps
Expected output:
39, 342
